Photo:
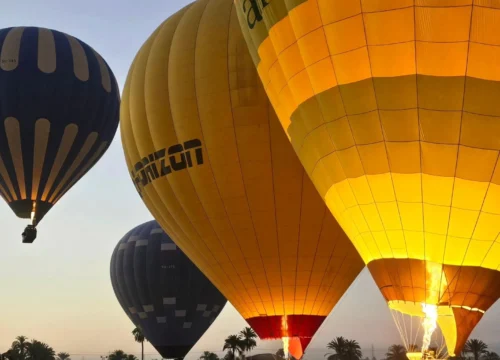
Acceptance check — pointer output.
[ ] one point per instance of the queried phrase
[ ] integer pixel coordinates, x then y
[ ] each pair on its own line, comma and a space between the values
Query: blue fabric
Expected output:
145, 275
29, 94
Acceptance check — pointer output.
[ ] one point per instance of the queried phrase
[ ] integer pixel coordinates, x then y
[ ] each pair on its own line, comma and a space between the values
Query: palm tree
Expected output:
234, 344
353, 350
139, 337
475, 347
339, 345
248, 337
37, 350
207, 355
396, 352
490, 355
117, 355
19, 346
63, 356
10, 355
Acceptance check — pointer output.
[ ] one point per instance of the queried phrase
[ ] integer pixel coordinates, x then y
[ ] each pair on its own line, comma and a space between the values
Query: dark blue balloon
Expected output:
162, 291
59, 111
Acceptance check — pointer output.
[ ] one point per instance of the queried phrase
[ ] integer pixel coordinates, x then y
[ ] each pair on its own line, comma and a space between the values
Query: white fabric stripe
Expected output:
168, 247
143, 315
180, 313
169, 301
143, 242
133, 238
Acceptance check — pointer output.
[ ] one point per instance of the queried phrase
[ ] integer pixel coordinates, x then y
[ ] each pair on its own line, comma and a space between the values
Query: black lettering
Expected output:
175, 149
136, 180
164, 169
145, 160
253, 14
152, 172
138, 166
144, 178
178, 165
194, 144
148, 169
159, 154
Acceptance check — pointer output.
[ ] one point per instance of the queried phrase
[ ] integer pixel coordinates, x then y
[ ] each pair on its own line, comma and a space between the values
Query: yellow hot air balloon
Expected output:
213, 165
393, 108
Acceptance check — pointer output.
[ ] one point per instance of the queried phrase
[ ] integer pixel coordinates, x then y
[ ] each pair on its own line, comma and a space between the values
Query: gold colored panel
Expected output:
42, 132
13, 132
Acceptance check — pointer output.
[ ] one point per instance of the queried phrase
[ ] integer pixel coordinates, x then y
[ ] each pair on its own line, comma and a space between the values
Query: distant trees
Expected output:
117, 355
235, 345
207, 355
475, 347
22, 349
396, 352
248, 342
63, 356
490, 355
139, 337
240, 344
344, 349
37, 350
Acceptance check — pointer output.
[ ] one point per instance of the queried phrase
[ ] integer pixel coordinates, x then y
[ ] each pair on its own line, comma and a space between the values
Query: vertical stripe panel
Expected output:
106, 79
3, 193
5, 176
91, 139
80, 62
9, 57
90, 163
42, 131
13, 133
46, 51
66, 143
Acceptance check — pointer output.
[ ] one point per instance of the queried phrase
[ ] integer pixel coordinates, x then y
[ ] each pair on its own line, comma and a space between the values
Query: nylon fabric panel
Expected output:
207, 155
392, 109
166, 209
162, 291
41, 98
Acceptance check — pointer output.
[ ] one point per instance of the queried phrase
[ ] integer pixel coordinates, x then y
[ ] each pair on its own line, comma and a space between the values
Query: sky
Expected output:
58, 289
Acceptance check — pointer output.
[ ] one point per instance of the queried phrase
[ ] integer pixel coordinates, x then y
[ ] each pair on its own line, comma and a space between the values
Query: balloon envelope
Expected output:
392, 107
59, 111
214, 167
162, 291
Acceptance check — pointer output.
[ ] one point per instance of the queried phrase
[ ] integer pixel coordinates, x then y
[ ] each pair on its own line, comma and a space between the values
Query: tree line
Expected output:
345, 349
22, 349
238, 347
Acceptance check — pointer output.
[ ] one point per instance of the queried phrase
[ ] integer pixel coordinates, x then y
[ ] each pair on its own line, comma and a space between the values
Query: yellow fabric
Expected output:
446, 320
392, 107
248, 216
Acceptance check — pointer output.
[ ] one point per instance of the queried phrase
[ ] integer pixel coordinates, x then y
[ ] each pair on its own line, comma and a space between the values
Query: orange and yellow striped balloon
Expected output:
393, 108
213, 165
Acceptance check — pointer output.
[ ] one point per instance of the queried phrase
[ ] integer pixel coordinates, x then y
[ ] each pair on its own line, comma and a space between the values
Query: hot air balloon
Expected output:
59, 108
392, 108
213, 165
162, 291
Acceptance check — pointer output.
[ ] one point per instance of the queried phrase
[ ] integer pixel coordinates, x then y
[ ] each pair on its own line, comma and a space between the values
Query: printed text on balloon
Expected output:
157, 164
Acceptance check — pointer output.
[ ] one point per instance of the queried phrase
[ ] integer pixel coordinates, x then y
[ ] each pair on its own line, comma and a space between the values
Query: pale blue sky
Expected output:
58, 289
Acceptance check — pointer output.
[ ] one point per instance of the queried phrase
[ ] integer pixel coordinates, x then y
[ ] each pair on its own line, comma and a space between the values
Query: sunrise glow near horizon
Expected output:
58, 290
